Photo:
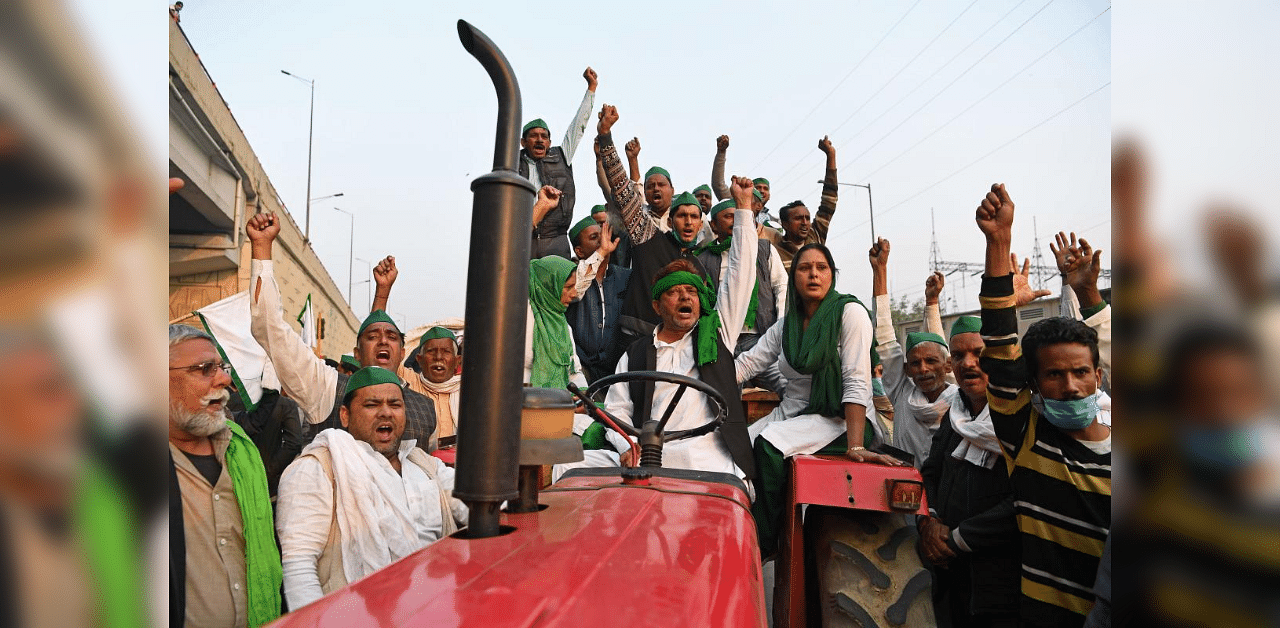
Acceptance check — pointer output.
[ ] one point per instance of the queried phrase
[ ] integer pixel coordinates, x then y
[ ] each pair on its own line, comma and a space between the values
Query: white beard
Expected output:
201, 422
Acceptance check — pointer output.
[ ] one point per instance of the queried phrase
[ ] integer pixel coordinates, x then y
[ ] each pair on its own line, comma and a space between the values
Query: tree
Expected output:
906, 309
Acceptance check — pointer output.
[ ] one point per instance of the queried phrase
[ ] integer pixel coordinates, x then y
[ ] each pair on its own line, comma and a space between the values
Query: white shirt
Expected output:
305, 512
777, 279
706, 452
786, 428
304, 377
572, 136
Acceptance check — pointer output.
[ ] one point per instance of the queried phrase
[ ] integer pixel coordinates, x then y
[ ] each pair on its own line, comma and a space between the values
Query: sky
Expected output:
930, 103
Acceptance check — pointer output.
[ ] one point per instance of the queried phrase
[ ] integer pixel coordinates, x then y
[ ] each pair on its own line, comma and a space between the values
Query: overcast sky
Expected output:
928, 102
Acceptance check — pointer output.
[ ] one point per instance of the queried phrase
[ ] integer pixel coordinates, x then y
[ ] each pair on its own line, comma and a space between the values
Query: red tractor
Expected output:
657, 546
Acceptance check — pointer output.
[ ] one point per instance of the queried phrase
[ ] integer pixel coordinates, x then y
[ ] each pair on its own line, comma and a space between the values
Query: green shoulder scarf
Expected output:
552, 345
263, 573
719, 247
816, 351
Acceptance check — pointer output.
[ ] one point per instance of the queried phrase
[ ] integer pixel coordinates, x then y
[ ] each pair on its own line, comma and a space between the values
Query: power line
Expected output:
833, 89
882, 87
987, 95
984, 156
947, 86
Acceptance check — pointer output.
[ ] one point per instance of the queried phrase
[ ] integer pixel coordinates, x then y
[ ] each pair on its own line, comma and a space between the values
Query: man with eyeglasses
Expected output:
317, 387
224, 566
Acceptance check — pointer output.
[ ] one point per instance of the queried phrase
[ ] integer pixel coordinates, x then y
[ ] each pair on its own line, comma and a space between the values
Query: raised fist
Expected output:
743, 192
608, 116
263, 228
590, 75
879, 253
385, 273
825, 145
722, 143
995, 213
633, 148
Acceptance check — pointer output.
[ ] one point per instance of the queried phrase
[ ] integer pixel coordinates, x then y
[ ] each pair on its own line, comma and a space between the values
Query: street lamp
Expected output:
351, 254
310, 134
368, 282
321, 198
871, 208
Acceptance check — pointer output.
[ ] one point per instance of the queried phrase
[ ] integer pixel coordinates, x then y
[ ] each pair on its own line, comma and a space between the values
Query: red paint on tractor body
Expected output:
673, 553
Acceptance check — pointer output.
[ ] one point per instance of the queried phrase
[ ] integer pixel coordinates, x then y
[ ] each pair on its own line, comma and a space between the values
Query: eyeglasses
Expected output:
207, 369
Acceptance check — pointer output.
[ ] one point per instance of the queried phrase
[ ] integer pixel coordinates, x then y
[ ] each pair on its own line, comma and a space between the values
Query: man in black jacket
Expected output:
970, 536
544, 164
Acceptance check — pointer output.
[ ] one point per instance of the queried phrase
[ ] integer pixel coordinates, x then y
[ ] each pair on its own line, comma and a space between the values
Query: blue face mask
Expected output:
1221, 449
877, 386
1070, 414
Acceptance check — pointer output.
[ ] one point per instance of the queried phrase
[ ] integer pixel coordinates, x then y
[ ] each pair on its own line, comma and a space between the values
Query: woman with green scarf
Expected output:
550, 357
823, 348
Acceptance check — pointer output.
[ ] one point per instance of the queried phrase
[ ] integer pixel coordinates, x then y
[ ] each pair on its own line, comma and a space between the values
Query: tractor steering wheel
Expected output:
722, 408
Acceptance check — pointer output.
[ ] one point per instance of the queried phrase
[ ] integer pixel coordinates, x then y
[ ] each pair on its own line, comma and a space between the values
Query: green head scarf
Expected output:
705, 347
760, 180
702, 188
536, 123
552, 345
815, 350
436, 333
657, 170
916, 337
966, 325
350, 360
581, 226
758, 195
376, 316
368, 376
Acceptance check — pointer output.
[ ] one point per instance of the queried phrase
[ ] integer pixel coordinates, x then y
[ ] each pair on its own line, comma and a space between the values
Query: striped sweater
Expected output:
1061, 488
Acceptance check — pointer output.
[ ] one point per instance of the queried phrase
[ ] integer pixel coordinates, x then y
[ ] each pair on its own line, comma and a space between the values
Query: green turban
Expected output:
721, 206
350, 360
759, 180
581, 226
368, 376
657, 170
704, 187
534, 124
966, 325
435, 333
917, 337
598, 209
377, 316
685, 198
705, 347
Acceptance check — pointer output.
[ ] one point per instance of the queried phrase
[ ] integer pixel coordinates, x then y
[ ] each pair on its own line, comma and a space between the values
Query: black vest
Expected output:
553, 170
721, 375
419, 416
767, 308
647, 260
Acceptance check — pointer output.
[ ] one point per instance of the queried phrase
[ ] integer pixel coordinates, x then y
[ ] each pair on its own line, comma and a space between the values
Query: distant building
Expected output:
1028, 315
225, 184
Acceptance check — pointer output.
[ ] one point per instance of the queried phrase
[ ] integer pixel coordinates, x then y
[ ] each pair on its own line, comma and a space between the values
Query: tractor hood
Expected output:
675, 553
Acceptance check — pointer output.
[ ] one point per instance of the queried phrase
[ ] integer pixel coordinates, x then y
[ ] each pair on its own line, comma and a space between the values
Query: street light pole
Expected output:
870, 206
368, 282
351, 254
310, 135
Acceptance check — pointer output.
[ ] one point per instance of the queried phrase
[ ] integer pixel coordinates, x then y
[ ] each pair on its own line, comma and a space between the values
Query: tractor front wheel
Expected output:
866, 569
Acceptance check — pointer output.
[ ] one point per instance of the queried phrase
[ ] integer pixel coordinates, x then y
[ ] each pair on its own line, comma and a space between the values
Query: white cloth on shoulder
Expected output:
979, 445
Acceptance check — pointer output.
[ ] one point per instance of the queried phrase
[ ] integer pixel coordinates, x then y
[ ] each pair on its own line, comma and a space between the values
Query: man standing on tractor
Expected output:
544, 164
694, 339
360, 498
971, 534
1043, 397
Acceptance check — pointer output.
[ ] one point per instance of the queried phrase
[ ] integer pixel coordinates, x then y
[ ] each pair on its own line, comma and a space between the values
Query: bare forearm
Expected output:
633, 164
879, 281
1088, 295
997, 262
855, 423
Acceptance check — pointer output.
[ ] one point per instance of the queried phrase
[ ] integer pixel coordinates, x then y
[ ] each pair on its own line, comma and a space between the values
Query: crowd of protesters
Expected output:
331, 478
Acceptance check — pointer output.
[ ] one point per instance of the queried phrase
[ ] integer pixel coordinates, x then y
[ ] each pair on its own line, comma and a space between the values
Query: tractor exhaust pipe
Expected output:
497, 296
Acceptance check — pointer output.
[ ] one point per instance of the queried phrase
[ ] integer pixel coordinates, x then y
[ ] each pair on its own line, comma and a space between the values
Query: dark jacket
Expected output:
595, 322
978, 501
642, 356
553, 170
275, 427
766, 305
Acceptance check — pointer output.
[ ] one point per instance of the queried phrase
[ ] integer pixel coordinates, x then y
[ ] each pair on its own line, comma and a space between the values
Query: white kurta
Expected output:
777, 280
706, 452
382, 515
786, 428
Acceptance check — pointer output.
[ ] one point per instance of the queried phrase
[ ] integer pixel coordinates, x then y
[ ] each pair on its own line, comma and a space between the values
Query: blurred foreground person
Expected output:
361, 498
1043, 397
224, 567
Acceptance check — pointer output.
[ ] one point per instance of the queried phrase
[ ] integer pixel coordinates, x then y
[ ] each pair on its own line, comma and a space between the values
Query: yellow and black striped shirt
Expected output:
1061, 488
